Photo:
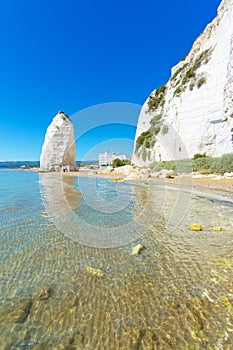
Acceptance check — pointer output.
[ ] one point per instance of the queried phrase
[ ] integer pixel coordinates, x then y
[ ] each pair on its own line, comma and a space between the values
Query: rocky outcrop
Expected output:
59, 151
193, 112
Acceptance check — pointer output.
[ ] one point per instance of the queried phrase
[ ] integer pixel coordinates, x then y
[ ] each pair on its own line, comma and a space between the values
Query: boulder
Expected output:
137, 249
155, 175
170, 174
94, 272
195, 227
145, 171
196, 175
124, 170
166, 174
228, 175
133, 176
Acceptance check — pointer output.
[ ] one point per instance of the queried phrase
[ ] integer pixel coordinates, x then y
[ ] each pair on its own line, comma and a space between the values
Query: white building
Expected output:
107, 158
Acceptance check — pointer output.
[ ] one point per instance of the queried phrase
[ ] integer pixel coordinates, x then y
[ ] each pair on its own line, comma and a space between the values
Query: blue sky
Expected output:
70, 55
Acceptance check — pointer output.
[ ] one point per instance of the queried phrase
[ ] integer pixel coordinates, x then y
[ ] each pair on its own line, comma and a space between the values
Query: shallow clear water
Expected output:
177, 294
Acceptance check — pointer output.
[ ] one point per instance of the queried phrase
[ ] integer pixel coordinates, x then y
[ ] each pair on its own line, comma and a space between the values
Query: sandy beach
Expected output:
211, 183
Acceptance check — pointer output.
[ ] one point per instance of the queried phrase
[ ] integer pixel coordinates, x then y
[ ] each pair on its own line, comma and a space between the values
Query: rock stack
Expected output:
59, 151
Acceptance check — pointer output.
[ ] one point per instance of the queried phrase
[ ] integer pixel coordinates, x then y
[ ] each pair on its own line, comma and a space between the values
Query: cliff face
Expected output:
59, 151
193, 112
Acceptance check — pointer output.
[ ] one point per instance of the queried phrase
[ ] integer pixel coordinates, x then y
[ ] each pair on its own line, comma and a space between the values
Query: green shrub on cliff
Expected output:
144, 139
178, 71
157, 98
200, 82
189, 75
155, 120
147, 139
199, 163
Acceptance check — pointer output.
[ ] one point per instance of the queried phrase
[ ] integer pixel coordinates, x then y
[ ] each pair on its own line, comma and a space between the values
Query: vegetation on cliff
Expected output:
187, 74
147, 139
157, 99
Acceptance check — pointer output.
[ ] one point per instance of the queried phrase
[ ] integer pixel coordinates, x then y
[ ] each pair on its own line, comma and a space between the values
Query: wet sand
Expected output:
212, 183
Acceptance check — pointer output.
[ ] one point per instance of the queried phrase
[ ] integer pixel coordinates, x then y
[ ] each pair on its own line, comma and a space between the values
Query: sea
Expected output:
69, 280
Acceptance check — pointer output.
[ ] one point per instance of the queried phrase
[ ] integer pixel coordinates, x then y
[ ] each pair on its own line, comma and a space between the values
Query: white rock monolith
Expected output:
59, 150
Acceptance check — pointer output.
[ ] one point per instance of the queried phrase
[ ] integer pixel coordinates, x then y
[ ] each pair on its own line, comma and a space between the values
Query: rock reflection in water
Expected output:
75, 212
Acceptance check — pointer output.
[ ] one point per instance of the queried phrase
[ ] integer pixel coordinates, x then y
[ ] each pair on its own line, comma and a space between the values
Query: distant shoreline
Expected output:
213, 183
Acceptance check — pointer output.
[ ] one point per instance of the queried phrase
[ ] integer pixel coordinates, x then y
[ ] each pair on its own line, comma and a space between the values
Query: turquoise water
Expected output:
105, 203
177, 294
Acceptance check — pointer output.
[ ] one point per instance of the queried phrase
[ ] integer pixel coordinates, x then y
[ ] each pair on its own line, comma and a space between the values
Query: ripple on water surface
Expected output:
176, 295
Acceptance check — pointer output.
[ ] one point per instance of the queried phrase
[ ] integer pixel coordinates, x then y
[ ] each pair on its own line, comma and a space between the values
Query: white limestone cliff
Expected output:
193, 112
59, 151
